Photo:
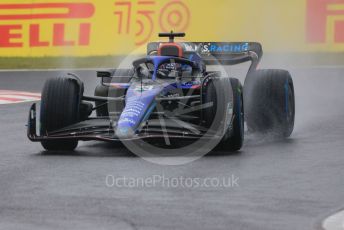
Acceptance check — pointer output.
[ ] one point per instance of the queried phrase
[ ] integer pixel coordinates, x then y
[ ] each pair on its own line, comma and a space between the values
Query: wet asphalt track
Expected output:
290, 184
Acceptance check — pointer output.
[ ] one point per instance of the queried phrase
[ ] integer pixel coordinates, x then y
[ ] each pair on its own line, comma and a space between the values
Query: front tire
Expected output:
60, 104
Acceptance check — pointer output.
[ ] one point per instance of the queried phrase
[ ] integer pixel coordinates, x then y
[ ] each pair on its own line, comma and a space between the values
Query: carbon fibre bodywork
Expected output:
140, 117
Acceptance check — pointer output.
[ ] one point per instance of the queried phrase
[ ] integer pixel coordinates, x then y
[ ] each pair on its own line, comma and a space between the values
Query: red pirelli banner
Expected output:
116, 27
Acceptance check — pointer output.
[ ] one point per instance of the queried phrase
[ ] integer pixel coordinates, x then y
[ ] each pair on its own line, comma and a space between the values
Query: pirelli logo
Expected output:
12, 33
24, 25
325, 21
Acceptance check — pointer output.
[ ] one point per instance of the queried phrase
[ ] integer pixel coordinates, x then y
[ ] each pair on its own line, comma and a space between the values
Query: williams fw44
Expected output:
171, 94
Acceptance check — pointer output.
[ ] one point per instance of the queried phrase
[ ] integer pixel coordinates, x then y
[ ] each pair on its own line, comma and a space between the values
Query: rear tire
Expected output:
210, 96
234, 138
270, 102
59, 108
214, 92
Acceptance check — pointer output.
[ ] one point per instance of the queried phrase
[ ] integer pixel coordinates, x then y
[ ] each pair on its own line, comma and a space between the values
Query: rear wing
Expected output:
224, 53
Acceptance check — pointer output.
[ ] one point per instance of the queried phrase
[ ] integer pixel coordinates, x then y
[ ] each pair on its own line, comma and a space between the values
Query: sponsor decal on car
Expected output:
225, 48
142, 88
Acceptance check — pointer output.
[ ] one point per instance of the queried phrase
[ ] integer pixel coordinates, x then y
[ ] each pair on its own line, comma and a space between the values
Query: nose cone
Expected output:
124, 132
140, 102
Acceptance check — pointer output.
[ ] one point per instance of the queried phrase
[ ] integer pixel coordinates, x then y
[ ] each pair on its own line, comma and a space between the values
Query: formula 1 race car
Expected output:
170, 92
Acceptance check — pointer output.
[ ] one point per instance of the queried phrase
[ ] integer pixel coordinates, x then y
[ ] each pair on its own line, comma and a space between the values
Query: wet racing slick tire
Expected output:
234, 135
61, 97
270, 102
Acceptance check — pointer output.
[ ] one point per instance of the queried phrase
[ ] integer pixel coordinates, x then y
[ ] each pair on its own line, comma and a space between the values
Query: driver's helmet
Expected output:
173, 70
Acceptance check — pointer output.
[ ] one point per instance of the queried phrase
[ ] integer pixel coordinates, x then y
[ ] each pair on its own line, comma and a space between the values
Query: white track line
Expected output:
334, 222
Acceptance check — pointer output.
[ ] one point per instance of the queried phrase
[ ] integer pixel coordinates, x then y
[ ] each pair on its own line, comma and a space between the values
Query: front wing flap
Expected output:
102, 130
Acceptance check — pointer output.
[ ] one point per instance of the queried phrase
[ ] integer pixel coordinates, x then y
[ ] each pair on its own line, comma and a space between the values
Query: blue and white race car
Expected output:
169, 93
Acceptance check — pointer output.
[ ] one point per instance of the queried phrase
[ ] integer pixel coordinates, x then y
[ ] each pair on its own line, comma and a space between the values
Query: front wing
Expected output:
102, 130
